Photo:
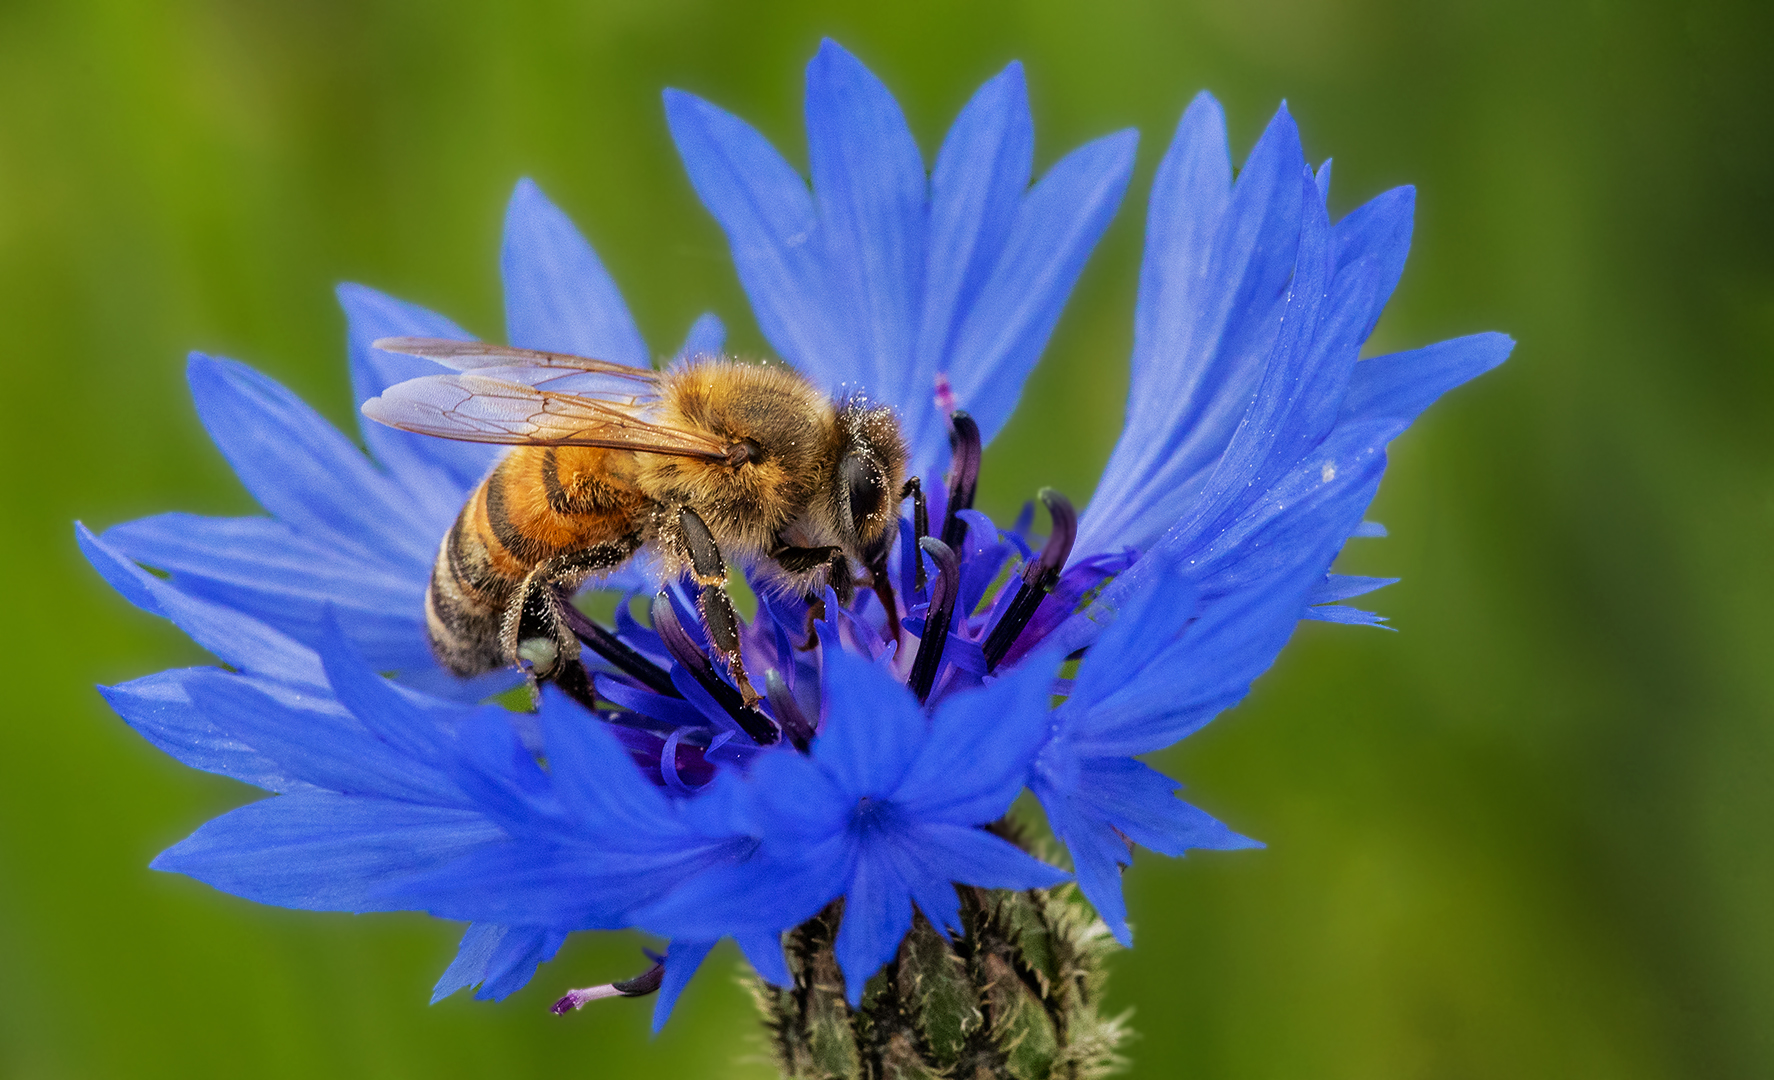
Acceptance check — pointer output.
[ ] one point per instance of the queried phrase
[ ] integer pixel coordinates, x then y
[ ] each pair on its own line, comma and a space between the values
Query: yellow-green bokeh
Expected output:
1531, 835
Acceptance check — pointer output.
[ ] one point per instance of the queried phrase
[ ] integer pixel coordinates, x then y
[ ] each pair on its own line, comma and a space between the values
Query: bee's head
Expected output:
870, 473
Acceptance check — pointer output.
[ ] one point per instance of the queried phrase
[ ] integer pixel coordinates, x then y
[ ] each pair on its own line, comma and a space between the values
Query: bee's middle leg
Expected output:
710, 572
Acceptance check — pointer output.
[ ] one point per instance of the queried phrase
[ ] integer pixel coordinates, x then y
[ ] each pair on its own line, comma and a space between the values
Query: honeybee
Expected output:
715, 460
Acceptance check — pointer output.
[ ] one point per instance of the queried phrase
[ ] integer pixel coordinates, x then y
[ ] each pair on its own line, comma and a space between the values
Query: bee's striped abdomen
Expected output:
565, 513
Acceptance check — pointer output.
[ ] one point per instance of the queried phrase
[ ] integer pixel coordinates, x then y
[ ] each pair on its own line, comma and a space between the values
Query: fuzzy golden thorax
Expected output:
789, 428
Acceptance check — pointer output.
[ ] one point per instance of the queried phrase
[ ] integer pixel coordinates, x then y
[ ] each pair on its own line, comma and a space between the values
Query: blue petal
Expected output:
1401, 385
877, 914
267, 570
321, 851
707, 337
868, 179
796, 801
159, 708
1147, 627
1101, 805
1297, 525
1214, 278
981, 174
319, 744
558, 296
1320, 501
1301, 389
1119, 708
768, 215
1056, 227
1346, 615
873, 727
1374, 241
1305, 515
681, 963
500, 775
749, 899
1098, 853
941, 905
674, 711
238, 640
1336, 587
764, 953
515, 959
566, 882
1141, 802
469, 968
424, 733
980, 746
304, 472
976, 857
440, 471
502, 957
597, 779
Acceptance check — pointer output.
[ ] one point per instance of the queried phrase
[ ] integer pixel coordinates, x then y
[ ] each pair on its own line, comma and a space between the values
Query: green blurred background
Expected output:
1532, 835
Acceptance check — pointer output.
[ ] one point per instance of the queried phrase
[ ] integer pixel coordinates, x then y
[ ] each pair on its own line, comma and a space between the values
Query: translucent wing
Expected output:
479, 355
475, 408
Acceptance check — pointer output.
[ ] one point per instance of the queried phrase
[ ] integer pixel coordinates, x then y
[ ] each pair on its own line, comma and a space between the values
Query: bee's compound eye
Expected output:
862, 486
541, 653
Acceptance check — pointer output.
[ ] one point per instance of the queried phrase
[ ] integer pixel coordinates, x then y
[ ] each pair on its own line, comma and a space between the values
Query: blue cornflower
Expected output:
905, 721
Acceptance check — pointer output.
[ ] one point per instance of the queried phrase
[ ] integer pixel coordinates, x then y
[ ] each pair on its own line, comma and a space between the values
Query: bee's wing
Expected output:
517, 365
475, 408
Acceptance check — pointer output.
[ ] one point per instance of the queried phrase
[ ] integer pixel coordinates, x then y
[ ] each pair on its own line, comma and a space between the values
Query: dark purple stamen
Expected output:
615, 650
937, 618
754, 723
883, 586
795, 725
575, 682
920, 522
640, 986
963, 476
1039, 575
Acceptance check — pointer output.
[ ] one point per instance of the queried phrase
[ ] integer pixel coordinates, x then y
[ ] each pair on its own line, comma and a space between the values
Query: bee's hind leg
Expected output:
710, 571
537, 634
535, 637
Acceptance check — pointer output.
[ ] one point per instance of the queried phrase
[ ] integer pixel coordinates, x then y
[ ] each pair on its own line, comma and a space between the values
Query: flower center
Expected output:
939, 610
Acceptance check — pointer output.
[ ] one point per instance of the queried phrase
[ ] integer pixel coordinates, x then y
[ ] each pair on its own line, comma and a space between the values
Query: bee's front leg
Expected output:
710, 571
799, 560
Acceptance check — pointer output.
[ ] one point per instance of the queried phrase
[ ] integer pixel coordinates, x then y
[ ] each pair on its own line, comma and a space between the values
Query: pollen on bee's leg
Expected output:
640, 986
541, 653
